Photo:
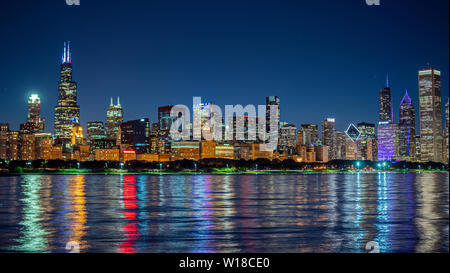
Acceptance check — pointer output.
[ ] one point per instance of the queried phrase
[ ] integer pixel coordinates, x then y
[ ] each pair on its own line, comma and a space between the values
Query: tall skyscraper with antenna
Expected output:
114, 118
388, 132
385, 103
67, 112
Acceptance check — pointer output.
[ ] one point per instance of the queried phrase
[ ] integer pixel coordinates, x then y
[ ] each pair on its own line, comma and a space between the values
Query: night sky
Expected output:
322, 58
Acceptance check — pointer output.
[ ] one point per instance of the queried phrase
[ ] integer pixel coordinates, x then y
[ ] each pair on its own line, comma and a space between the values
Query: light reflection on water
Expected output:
225, 213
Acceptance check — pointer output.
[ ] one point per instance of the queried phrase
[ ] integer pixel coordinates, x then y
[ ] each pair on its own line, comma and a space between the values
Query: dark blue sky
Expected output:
322, 58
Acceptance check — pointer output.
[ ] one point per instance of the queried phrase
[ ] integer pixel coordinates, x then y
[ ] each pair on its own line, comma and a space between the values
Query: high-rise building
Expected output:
67, 112
351, 141
34, 122
339, 139
387, 131
275, 101
27, 147
95, 130
114, 118
288, 139
407, 130
446, 133
328, 137
311, 134
385, 103
136, 132
387, 141
365, 143
430, 115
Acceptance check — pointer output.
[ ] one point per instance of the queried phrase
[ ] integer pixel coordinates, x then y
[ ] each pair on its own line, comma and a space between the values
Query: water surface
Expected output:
225, 213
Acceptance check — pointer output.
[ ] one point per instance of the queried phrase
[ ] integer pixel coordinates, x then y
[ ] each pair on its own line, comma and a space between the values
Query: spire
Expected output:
387, 81
111, 102
118, 101
64, 54
69, 57
406, 98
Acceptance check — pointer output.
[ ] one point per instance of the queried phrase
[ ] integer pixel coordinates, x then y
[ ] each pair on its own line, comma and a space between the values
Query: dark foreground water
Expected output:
225, 213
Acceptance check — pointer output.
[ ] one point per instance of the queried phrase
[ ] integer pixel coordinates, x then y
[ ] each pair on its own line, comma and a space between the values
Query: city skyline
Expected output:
117, 110
150, 70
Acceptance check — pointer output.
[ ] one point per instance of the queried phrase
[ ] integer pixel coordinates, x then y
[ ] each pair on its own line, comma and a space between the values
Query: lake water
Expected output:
225, 213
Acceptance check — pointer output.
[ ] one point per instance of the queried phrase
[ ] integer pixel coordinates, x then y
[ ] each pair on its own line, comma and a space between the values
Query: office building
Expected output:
67, 112
430, 115
407, 130
114, 118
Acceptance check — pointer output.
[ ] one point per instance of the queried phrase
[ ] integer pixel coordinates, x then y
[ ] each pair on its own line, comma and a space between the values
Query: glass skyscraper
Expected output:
67, 112
407, 130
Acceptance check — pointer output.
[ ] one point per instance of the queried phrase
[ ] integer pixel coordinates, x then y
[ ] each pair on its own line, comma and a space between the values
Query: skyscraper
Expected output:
387, 131
288, 139
385, 103
365, 143
34, 122
328, 137
275, 101
430, 115
311, 134
407, 130
95, 130
446, 134
67, 112
114, 118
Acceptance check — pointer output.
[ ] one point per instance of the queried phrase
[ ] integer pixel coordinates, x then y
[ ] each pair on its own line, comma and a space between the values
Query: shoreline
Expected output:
253, 172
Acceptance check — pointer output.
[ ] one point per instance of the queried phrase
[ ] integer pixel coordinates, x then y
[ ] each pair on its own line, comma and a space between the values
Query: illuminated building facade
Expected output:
77, 135
136, 133
288, 139
114, 118
351, 148
34, 122
225, 151
27, 147
407, 130
186, 150
430, 115
310, 134
207, 149
321, 153
385, 103
67, 112
275, 101
387, 135
95, 130
446, 133
387, 141
328, 139
44, 145
365, 147
107, 154
12, 152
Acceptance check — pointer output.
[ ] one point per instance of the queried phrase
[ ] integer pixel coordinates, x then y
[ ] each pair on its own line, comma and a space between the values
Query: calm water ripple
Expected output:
225, 213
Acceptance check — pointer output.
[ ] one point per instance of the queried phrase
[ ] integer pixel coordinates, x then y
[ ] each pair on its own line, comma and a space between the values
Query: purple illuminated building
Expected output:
387, 131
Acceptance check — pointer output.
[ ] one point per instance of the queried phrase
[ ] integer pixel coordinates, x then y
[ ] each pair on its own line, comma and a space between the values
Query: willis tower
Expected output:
67, 112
